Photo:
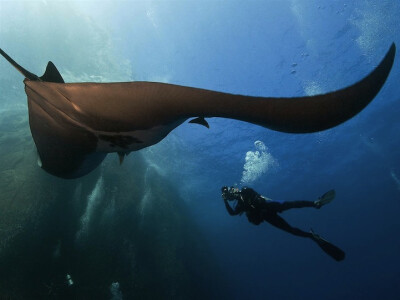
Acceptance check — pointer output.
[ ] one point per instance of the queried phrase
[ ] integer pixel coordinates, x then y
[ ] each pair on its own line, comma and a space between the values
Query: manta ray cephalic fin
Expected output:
121, 156
200, 121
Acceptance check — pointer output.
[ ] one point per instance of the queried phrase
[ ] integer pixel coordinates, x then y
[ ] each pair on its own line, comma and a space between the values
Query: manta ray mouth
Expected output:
127, 141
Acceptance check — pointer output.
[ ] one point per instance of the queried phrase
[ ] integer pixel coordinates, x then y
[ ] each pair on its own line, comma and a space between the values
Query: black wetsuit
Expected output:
258, 209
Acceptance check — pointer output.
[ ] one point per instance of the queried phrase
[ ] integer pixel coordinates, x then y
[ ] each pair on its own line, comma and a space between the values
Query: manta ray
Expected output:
75, 125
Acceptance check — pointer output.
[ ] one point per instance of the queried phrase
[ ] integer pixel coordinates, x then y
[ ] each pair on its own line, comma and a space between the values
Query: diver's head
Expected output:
229, 193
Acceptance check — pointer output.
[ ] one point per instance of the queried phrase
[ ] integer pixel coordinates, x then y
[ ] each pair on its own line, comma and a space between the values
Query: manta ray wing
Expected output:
74, 125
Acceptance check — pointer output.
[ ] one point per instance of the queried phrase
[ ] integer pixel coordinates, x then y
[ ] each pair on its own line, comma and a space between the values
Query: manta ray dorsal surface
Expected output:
75, 125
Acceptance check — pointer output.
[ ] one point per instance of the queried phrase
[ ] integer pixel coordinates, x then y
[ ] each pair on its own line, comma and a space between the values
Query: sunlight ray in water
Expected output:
395, 179
92, 202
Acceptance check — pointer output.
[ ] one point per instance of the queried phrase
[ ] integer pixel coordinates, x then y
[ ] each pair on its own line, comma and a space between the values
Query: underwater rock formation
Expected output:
122, 232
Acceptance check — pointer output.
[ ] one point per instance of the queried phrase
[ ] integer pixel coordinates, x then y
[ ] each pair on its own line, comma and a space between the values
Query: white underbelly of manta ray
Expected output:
126, 142
75, 125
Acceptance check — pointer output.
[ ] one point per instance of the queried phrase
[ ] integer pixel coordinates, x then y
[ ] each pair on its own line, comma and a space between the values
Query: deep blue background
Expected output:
250, 47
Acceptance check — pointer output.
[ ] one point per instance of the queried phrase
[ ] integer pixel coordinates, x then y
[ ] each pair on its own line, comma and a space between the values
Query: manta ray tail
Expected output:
23, 71
50, 75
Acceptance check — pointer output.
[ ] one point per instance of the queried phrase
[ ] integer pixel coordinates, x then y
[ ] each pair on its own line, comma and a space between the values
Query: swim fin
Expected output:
325, 199
335, 252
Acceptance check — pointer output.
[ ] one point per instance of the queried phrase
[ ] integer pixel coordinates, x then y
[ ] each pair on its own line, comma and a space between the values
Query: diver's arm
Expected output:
231, 211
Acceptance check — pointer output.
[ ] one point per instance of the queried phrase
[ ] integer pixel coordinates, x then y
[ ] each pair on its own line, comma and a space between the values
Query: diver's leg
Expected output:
330, 249
280, 223
282, 206
278, 206
334, 251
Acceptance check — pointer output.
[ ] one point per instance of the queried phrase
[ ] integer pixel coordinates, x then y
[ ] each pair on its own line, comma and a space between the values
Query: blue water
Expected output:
271, 48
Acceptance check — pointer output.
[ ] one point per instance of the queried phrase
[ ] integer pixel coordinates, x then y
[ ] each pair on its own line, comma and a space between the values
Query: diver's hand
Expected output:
224, 191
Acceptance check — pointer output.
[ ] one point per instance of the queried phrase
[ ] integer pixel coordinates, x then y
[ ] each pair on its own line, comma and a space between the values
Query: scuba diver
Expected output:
259, 208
